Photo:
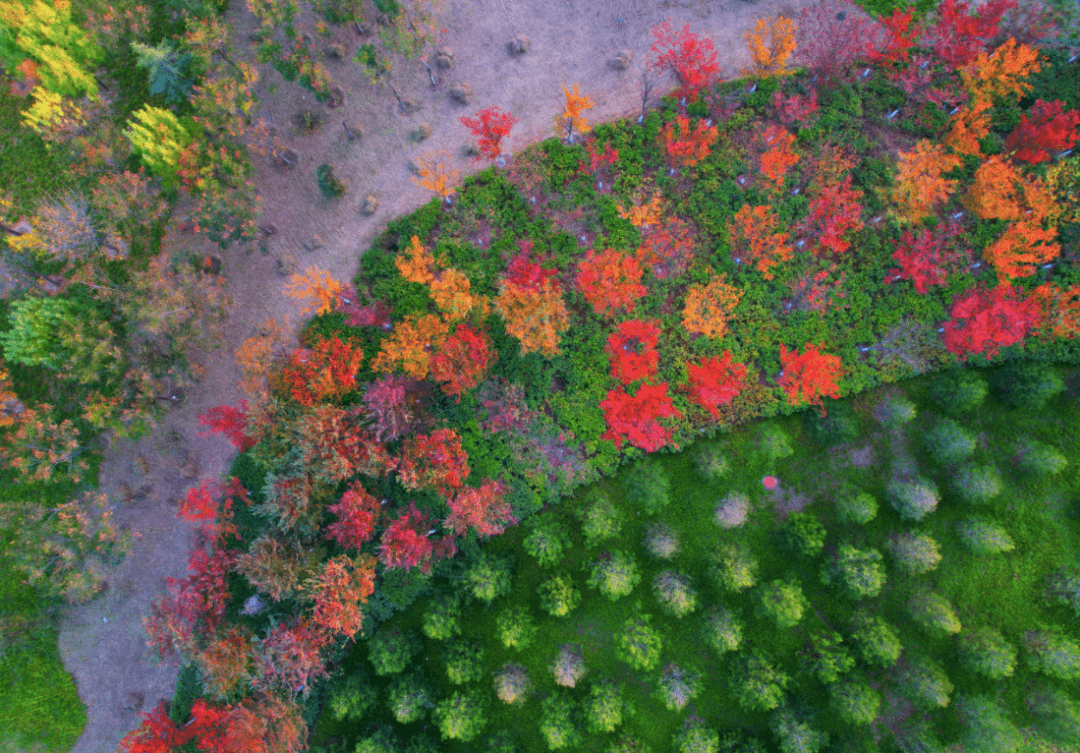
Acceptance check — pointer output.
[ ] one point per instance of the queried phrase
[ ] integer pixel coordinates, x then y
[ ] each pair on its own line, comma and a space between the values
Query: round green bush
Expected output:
1057, 715
755, 683
794, 735
985, 651
464, 661
569, 666
442, 618
638, 643
391, 650
558, 596
839, 425
977, 484
895, 411
547, 541
856, 573
914, 553
678, 686
461, 716
774, 443
351, 698
875, 641
855, 508
732, 510
558, 725
912, 500
381, 741
959, 391
986, 727
734, 568
711, 463
487, 578
826, 657
783, 603
599, 519
605, 708
675, 593
854, 701
515, 628
924, 683
1053, 654
647, 487
615, 576
1027, 385
695, 737
512, 685
934, 614
948, 442
1039, 459
1063, 589
802, 534
627, 744
661, 541
408, 698
983, 536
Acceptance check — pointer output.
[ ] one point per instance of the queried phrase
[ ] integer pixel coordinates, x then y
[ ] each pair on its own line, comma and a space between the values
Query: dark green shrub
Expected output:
421, 744
464, 660
351, 698
722, 630
605, 708
461, 716
855, 508
959, 391
755, 683
638, 643
915, 554
615, 576
1026, 385
675, 593
515, 628
501, 742
802, 534
857, 573
782, 602
977, 484
628, 744
875, 641
1039, 459
487, 578
329, 184
558, 597
948, 442
558, 721
985, 651
986, 727
912, 500
547, 541
839, 425
599, 519
391, 650
408, 698
661, 541
983, 536
381, 741
442, 618
924, 683
711, 463
647, 487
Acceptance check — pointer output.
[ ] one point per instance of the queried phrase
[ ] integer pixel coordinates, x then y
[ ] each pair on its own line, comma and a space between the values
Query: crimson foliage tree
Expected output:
462, 361
611, 281
489, 127
393, 403
959, 36
690, 57
982, 320
925, 259
810, 375
834, 213
230, 421
1049, 129
357, 512
405, 542
433, 461
715, 382
324, 371
898, 34
632, 350
483, 509
831, 35
635, 418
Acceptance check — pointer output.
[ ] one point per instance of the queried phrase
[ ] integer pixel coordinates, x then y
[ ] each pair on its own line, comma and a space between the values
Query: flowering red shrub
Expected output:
796, 108
289, 657
982, 321
635, 418
632, 350
715, 382
489, 127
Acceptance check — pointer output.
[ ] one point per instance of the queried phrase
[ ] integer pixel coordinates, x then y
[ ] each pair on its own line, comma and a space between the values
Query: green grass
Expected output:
1004, 591
30, 169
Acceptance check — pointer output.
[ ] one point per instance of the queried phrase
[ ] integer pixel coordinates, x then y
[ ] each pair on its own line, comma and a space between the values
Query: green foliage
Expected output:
1063, 588
675, 593
984, 536
925, 683
826, 657
391, 650
442, 618
50, 35
461, 716
546, 541
661, 541
854, 701
648, 487
696, 737
678, 686
959, 391
857, 573
912, 500
711, 463
934, 614
782, 602
615, 576
876, 642
464, 660
558, 596
855, 507
734, 568
157, 136
600, 520
985, 651
986, 726
977, 484
487, 578
895, 411
839, 425
795, 736
408, 698
803, 535
722, 630
774, 443
36, 324
604, 707
638, 643
914, 553
1036, 458
166, 68
755, 683
330, 185
351, 698
558, 721
1053, 654
515, 628
1027, 385
1057, 715
381, 741
948, 442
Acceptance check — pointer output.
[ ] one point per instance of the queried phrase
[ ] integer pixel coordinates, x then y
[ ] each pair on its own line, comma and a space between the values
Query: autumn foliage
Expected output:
926, 258
405, 542
433, 461
1020, 249
324, 371
709, 307
462, 361
809, 376
411, 344
339, 590
435, 173
692, 58
684, 145
778, 157
715, 382
752, 233
356, 514
632, 350
1044, 129
959, 36
483, 509
610, 281
531, 303
571, 118
636, 418
230, 421
919, 184
771, 43
489, 126
834, 213
984, 320
317, 288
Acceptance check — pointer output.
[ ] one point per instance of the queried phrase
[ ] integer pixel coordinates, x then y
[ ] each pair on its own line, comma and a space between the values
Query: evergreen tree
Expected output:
605, 708
794, 735
1057, 715
986, 652
924, 681
987, 729
755, 683
166, 67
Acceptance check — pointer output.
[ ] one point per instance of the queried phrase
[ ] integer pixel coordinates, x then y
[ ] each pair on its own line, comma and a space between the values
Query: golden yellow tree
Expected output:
411, 345
1001, 73
969, 125
571, 118
453, 296
258, 355
316, 288
536, 316
435, 173
771, 43
643, 215
709, 307
919, 183
1022, 247
415, 263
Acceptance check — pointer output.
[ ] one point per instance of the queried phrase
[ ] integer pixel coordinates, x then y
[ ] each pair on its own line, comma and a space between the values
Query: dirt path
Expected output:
572, 41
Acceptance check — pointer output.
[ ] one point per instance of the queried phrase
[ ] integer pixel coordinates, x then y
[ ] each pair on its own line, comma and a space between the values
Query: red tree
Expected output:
324, 371
981, 320
1050, 129
899, 33
157, 733
525, 273
230, 421
289, 657
463, 360
684, 145
405, 542
810, 375
357, 512
482, 508
833, 214
924, 259
433, 461
632, 350
690, 57
610, 281
958, 36
634, 418
796, 108
393, 403
715, 382
193, 605
372, 315
339, 590
831, 35
334, 446
489, 127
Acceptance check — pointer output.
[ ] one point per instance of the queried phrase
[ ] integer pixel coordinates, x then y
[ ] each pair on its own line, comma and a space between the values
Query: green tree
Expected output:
925, 683
855, 508
408, 698
773, 442
647, 487
803, 535
782, 602
984, 536
711, 463
959, 391
546, 541
1063, 588
948, 442
912, 500
895, 411
157, 136
599, 519
515, 628
569, 667
722, 630
487, 578
48, 34
1051, 653
876, 641
934, 614
826, 656
36, 326
795, 736
464, 660
732, 510
166, 68
977, 484
734, 568
351, 698
329, 184
914, 553
615, 576
558, 596
558, 721
1057, 715
755, 683
675, 593
678, 686
627, 744
1027, 385
391, 650
442, 618
854, 701
986, 652
638, 643
1039, 459
917, 736
839, 425
696, 737
661, 541
604, 707
857, 573
986, 727
380, 741
461, 716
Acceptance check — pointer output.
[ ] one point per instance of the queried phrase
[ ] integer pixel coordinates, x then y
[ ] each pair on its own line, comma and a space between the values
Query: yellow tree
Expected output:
1022, 247
535, 315
919, 183
58, 45
453, 296
316, 288
571, 118
1001, 73
709, 307
435, 173
969, 125
999, 192
411, 345
771, 43
415, 263
157, 136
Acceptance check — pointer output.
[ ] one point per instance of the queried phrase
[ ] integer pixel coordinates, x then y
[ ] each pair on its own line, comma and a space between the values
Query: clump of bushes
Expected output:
515, 628
558, 596
442, 618
615, 576
391, 650
734, 568
959, 391
330, 185
802, 534
647, 487
722, 630
984, 536
1027, 385
774, 443
895, 411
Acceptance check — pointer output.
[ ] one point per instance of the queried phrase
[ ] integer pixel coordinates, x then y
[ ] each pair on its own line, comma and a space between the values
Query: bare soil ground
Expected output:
571, 42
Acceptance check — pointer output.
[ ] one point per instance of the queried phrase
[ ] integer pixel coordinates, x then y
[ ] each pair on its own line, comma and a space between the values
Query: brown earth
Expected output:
102, 643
